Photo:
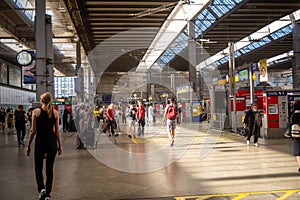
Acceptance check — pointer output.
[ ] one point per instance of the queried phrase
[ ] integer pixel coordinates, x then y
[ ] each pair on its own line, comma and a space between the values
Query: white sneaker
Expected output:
256, 144
42, 194
248, 142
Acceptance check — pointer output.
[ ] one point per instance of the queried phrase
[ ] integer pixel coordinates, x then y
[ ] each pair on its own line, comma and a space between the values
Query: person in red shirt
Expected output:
110, 119
141, 118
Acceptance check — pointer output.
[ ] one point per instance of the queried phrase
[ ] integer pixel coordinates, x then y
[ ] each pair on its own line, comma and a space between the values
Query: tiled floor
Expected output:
200, 163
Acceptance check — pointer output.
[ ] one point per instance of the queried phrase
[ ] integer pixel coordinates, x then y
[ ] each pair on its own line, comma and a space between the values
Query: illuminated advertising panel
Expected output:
243, 75
14, 76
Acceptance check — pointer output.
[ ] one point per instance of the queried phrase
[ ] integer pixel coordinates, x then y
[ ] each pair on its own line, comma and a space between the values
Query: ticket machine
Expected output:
275, 111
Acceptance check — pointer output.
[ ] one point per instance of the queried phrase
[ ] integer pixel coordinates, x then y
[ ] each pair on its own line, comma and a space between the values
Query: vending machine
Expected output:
275, 111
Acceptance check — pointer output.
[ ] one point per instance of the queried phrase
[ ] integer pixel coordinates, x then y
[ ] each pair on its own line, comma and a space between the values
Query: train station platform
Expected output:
202, 164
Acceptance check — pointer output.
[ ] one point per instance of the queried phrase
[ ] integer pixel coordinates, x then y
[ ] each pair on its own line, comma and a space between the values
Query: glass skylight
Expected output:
175, 24
27, 8
282, 32
274, 31
202, 22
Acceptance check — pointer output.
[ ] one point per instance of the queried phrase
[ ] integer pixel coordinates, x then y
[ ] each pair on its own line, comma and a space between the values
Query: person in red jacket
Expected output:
141, 118
110, 119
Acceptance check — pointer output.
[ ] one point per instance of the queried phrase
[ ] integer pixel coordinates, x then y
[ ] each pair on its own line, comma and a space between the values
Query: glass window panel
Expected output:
238, 1
217, 11
223, 9
256, 45
237, 54
21, 3
186, 31
229, 3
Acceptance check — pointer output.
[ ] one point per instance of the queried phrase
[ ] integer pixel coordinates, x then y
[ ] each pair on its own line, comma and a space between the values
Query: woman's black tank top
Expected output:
45, 125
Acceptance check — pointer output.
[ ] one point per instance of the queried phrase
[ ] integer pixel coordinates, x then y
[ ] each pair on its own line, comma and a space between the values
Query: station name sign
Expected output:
276, 93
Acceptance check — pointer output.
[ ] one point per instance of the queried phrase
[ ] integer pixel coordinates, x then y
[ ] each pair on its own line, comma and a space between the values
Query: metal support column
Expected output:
49, 53
90, 86
296, 47
192, 57
232, 85
251, 84
79, 70
40, 46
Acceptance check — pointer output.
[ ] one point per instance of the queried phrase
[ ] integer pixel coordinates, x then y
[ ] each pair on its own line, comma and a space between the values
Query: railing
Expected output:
216, 120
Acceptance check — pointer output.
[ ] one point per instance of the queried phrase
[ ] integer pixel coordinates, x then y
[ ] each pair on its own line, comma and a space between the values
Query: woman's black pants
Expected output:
39, 157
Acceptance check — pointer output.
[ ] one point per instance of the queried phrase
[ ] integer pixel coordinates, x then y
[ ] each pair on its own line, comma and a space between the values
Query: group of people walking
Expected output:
114, 115
45, 126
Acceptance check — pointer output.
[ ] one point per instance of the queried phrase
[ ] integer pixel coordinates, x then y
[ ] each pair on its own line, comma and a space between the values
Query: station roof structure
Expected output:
92, 22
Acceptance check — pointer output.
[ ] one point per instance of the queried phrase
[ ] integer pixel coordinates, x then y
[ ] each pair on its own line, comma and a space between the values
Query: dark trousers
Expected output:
111, 126
39, 157
255, 134
21, 129
65, 125
141, 128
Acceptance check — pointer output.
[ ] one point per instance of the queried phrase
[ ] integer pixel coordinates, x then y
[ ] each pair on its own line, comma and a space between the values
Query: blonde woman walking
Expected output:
45, 125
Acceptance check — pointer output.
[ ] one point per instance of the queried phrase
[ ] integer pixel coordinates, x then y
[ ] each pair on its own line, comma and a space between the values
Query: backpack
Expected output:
171, 112
20, 117
132, 113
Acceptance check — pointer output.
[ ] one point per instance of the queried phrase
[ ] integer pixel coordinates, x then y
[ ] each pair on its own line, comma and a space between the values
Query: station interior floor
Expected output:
202, 164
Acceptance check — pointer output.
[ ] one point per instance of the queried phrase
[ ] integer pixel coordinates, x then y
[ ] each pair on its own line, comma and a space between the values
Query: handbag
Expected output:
104, 127
244, 132
295, 130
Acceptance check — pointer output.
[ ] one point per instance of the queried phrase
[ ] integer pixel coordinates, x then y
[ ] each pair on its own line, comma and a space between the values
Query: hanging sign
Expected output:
263, 70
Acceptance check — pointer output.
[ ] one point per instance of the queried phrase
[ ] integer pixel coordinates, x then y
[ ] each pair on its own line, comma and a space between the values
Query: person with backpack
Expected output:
170, 116
20, 124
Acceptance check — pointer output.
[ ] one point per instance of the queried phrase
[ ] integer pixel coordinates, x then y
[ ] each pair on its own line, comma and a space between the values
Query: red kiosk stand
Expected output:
275, 110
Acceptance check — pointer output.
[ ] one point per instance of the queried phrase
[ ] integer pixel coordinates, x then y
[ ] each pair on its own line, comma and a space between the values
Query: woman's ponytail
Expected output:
46, 98
49, 109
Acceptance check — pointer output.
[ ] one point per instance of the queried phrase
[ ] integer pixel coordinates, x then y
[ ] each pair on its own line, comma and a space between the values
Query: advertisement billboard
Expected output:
3, 73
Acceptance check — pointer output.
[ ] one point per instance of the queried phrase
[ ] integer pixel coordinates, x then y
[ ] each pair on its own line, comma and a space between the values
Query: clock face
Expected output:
24, 58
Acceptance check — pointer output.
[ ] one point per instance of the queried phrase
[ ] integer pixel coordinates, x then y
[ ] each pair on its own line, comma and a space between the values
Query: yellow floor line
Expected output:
134, 140
239, 196
287, 194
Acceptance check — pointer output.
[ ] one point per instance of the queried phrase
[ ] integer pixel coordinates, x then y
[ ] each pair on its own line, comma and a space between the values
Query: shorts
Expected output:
296, 146
171, 124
